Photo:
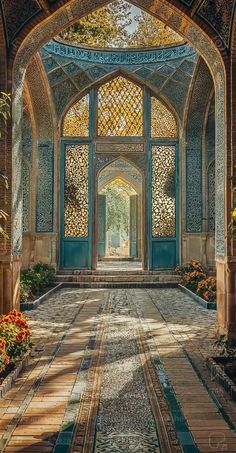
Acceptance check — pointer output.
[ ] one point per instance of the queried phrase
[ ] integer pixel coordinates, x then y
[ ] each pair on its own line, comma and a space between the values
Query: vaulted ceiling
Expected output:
21, 15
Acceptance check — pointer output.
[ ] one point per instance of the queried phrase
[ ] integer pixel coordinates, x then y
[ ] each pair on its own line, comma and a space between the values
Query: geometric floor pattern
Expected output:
117, 371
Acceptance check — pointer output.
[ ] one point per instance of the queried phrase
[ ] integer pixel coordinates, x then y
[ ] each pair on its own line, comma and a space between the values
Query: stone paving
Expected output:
118, 371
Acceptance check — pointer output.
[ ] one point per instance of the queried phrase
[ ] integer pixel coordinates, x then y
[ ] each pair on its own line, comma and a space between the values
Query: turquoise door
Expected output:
133, 226
76, 200
101, 225
163, 207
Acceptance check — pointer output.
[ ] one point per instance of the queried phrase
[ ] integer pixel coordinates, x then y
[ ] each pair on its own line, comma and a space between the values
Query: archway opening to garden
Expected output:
119, 212
120, 215
173, 74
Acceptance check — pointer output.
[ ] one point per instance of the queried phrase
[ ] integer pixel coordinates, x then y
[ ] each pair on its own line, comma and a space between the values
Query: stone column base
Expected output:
226, 299
9, 283
40, 247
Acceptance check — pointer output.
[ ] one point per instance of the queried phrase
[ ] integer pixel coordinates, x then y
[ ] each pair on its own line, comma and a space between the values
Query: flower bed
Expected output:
223, 367
220, 370
196, 280
35, 281
15, 340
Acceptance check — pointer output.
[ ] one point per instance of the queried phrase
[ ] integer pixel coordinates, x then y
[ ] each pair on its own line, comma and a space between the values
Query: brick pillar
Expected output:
11, 202
225, 245
9, 284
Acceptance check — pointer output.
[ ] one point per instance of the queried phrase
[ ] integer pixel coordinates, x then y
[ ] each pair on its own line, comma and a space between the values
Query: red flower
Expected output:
20, 337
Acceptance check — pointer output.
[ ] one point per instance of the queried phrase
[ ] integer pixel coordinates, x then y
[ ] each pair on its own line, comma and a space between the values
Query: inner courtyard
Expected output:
117, 226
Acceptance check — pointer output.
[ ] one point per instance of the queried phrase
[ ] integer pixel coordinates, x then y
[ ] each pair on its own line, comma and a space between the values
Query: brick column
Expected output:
11, 202
225, 246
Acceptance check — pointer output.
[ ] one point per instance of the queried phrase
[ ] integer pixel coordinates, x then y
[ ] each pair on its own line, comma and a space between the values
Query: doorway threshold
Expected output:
112, 264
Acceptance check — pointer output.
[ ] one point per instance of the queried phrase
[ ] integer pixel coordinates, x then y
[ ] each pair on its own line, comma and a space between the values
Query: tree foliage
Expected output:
5, 102
117, 202
114, 26
104, 27
152, 32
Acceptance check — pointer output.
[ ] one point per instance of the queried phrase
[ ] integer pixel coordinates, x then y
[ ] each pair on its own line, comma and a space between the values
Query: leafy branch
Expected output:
5, 112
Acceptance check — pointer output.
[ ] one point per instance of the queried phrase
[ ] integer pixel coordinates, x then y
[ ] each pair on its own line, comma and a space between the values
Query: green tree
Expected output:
104, 27
117, 199
5, 102
151, 32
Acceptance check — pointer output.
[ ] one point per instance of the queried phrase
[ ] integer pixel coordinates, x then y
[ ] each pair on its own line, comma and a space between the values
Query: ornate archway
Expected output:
192, 25
128, 122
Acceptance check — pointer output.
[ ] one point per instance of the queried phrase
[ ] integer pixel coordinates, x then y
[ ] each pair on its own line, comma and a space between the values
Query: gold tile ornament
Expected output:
76, 121
163, 191
120, 108
163, 123
76, 207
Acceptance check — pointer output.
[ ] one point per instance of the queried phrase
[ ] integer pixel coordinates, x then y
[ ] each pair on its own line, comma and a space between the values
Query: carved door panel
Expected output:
75, 206
164, 207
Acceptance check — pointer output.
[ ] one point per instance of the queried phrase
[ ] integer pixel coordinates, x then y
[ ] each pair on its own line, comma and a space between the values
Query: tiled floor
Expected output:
118, 371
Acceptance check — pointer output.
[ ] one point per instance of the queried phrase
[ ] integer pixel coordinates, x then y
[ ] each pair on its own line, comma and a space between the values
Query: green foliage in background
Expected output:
115, 26
5, 109
117, 202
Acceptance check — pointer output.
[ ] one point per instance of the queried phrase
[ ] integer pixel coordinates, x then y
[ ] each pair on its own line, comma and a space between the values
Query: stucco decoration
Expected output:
17, 13
196, 115
219, 15
120, 168
211, 196
176, 19
121, 58
71, 69
26, 196
44, 207
27, 144
42, 107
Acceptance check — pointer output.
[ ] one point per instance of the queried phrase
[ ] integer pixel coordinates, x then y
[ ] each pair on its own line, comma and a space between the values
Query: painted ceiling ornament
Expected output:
219, 15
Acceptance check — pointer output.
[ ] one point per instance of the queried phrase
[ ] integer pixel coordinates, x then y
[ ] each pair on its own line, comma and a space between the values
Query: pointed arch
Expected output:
133, 78
131, 174
116, 158
120, 100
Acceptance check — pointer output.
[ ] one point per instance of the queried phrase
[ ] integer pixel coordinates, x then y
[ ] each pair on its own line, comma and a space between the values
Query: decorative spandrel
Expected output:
163, 191
76, 121
163, 123
76, 198
120, 108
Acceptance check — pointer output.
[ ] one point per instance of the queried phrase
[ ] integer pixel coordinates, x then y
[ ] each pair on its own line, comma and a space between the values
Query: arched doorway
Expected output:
120, 119
193, 26
120, 203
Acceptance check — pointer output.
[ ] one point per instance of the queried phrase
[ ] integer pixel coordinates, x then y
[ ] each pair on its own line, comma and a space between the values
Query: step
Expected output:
148, 278
120, 285
114, 272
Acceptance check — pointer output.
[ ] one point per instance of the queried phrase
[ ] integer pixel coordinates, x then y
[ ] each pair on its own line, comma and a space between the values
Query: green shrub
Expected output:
25, 292
35, 280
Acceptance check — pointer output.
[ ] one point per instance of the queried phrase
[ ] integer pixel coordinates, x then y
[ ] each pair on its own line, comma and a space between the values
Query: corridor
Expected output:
118, 371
